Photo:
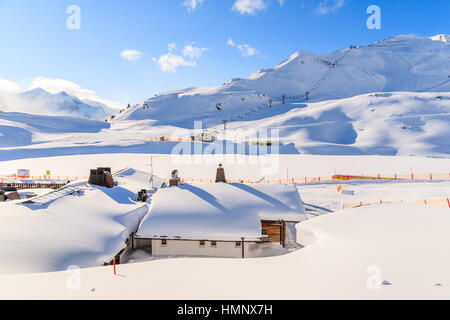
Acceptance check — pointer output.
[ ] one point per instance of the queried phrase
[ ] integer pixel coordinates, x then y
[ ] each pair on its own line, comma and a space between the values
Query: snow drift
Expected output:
24, 129
85, 229
356, 252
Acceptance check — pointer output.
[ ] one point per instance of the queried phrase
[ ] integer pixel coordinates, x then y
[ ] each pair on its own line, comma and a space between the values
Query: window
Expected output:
238, 244
164, 243
213, 244
265, 232
202, 243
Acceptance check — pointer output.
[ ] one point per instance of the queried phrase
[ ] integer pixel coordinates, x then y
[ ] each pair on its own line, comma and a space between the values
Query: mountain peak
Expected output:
445, 38
37, 91
384, 66
64, 94
40, 101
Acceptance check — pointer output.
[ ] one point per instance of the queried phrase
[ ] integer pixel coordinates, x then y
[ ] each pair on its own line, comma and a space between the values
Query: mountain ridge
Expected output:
40, 101
401, 63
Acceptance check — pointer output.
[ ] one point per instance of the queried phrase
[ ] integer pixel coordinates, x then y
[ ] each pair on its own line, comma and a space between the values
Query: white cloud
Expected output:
191, 5
172, 46
249, 6
243, 6
329, 6
245, 49
170, 61
131, 55
58, 85
193, 52
8, 86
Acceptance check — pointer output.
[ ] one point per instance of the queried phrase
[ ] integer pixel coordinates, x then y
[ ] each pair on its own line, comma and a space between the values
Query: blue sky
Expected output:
210, 41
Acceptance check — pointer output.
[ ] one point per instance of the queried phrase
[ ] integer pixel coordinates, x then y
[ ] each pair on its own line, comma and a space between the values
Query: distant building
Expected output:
219, 220
208, 136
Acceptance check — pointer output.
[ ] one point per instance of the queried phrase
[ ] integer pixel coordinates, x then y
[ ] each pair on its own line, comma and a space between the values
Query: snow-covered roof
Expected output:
219, 211
136, 179
85, 228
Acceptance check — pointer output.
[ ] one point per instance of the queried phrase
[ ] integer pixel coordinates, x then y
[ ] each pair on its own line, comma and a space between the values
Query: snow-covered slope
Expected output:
24, 129
39, 101
445, 38
350, 111
401, 123
378, 252
402, 63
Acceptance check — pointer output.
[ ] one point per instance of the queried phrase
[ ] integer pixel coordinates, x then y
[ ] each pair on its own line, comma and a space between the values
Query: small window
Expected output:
238, 244
202, 243
265, 232
213, 244
164, 243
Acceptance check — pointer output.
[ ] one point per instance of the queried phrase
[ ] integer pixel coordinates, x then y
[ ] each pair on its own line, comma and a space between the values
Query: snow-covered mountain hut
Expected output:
220, 220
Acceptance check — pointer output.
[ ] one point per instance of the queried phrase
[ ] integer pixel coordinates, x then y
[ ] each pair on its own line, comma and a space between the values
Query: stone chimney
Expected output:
175, 180
220, 176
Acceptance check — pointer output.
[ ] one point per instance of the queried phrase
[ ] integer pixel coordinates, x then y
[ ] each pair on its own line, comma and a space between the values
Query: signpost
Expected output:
23, 173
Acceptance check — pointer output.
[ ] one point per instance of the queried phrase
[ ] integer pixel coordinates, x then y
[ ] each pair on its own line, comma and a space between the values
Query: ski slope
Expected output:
391, 98
399, 123
402, 63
